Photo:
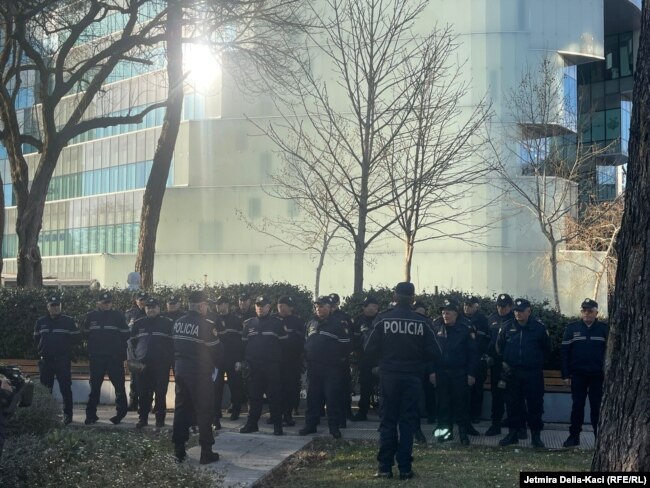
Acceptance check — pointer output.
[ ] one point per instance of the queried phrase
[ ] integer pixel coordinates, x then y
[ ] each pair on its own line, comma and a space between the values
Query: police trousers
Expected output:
291, 373
235, 385
525, 398
323, 387
476, 391
583, 385
114, 367
498, 394
154, 379
265, 378
452, 394
58, 368
194, 402
400, 394
368, 382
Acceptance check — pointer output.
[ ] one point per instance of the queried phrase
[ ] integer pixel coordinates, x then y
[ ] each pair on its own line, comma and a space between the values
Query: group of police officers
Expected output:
418, 367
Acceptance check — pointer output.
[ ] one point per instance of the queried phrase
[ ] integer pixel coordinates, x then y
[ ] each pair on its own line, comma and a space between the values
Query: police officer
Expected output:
524, 343
107, 334
173, 311
54, 335
346, 376
496, 320
406, 345
197, 352
264, 339
6, 391
583, 353
455, 372
134, 313
481, 328
151, 342
292, 359
326, 348
230, 333
244, 311
368, 382
428, 409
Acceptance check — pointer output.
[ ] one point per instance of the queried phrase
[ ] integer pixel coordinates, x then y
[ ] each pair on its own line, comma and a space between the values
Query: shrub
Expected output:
40, 417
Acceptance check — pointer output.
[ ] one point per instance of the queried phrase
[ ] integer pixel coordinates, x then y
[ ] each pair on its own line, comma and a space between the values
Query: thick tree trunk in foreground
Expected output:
156, 184
624, 440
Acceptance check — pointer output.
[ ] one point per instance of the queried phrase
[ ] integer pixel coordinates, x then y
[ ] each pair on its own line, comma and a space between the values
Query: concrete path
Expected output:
246, 458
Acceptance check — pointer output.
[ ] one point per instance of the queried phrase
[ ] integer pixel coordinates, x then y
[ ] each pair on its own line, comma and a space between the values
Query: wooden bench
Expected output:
552, 382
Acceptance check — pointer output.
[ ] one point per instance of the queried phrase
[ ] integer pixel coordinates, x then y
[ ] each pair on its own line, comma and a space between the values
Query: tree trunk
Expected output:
553, 261
156, 184
2, 222
623, 443
408, 258
359, 254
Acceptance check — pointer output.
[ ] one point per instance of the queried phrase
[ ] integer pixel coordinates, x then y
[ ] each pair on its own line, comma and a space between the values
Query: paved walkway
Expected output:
245, 459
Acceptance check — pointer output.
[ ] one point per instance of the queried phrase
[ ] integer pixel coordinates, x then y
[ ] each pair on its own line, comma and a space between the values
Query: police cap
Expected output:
405, 288
323, 300
449, 304
286, 300
262, 300
243, 297
222, 299
105, 297
335, 298
370, 299
472, 300
151, 302
53, 300
173, 300
504, 300
141, 295
521, 304
589, 304
197, 296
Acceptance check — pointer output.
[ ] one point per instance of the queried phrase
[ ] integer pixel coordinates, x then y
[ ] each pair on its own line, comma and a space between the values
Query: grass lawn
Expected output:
328, 463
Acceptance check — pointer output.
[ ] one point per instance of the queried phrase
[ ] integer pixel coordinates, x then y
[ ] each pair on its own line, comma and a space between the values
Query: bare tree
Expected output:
434, 170
68, 53
345, 123
622, 443
547, 148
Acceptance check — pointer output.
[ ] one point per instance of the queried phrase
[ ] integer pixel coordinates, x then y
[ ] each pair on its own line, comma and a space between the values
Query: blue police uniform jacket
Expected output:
495, 322
151, 340
230, 329
54, 336
106, 332
403, 341
264, 339
197, 348
327, 342
295, 345
583, 348
524, 346
479, 323
133, 314
457, 345
361, 327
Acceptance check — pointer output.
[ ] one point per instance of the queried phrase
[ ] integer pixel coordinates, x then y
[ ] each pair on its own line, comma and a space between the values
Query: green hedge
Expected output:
19, 309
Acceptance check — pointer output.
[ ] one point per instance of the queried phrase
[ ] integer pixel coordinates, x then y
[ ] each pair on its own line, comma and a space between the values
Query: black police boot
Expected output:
249, 429
522, 433
495, 429
143, 422
207, 456
160, 420
360, 417
511, 438
235, 413
217, 424
67, 419
470, 430
406, 475
572, 441
179, 452
277, 429
384, 475
307, 429
336, 433
464, 440
91, 420
419, 437
536, 440
116, 419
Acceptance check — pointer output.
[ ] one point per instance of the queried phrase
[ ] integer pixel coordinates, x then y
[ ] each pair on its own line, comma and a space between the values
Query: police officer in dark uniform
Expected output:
524, 343
455, 372
230, 333
346, 376
479, 322
292, 359
173, 311
264, 339
54, 335
583, 353
496, 320
428, 408
134, 313
327, 347
107, 334
151, 342
361, 327
406, 346
244, 310
197, 352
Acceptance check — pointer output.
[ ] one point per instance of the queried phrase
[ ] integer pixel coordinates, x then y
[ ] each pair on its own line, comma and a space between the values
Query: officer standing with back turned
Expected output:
406, 346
